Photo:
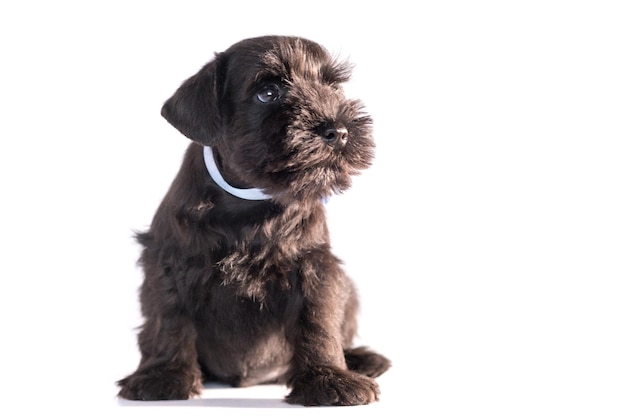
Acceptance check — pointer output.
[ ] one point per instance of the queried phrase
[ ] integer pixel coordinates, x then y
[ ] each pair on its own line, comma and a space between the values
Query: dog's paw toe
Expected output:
155, 385
332, 386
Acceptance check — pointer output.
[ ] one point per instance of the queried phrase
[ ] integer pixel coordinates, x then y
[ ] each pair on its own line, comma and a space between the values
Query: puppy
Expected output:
240, 282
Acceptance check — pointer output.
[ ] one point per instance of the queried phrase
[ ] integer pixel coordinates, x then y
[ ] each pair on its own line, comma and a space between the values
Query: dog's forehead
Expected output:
296, 59
290, 58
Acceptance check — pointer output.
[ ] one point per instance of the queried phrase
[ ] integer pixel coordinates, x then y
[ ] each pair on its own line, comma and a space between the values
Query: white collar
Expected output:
214, 172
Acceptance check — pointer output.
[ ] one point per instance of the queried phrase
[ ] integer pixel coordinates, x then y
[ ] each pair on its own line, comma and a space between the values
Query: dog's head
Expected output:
274, 111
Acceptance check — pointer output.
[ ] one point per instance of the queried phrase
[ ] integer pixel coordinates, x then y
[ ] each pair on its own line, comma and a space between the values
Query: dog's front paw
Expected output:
332, 386
154, 384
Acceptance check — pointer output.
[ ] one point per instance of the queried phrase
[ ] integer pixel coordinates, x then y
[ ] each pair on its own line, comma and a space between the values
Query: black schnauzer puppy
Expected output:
240, 282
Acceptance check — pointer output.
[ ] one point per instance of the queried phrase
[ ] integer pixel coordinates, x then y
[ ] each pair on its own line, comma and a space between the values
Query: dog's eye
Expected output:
269, 93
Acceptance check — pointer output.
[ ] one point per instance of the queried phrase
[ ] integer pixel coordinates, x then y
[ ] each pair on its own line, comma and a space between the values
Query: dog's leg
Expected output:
318, 374
168, 368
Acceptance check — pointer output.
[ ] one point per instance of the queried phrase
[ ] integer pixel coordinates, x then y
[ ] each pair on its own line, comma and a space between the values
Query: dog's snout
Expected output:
335, 135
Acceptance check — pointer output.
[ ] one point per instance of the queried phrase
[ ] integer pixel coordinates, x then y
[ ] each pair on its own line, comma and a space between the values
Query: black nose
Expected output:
336, 136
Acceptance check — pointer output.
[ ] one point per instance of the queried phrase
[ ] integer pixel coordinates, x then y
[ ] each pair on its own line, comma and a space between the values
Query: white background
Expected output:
488, 240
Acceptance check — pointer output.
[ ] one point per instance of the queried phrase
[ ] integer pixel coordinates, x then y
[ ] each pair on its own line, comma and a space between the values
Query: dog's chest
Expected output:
257, 272
264, 260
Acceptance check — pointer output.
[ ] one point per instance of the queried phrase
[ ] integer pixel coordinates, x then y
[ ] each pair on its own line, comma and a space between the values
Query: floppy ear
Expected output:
195, 109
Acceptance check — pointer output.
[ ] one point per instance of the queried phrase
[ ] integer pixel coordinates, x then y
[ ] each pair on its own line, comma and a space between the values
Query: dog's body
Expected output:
244, 288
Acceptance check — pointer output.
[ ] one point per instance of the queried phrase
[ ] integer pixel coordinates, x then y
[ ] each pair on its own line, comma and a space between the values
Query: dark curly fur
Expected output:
243, 291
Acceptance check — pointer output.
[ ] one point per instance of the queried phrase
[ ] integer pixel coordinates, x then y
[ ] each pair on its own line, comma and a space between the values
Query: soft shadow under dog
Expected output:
218, 402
